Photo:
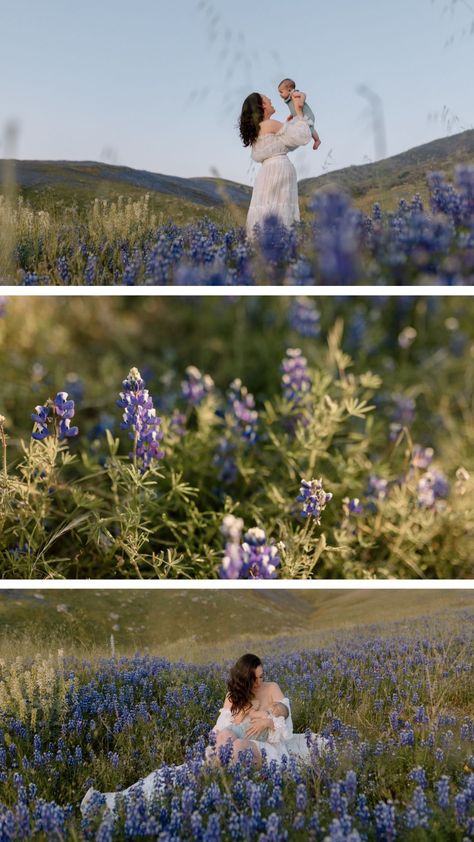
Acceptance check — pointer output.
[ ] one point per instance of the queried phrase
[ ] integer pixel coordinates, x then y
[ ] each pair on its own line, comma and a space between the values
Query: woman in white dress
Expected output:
251, 717
275, 191
245, 721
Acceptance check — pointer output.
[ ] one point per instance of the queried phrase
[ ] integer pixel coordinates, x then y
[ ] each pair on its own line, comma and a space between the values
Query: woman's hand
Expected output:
259, 722
298, 98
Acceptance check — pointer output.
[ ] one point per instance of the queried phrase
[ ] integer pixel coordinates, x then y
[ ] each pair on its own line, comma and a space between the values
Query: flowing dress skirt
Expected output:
275, 193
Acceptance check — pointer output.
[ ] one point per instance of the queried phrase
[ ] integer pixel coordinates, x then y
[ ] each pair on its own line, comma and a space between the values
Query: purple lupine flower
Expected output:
233, 558
178, 423
418, 775
350, 785
90, 270
140, 419
442, 789
301, 798
260, 559
385, 821
421, 457
460, 807
41, 418
352, 506
63, 269
241, 428
304, 318
65, 410
196, 386
431, 487
418, 812
241, 412
296, 381
338, 235
377, 487
314, 497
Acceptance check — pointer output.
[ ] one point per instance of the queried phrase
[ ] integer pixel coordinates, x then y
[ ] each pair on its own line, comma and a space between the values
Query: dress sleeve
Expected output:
259, 152
295, 133
282, 727
223, 720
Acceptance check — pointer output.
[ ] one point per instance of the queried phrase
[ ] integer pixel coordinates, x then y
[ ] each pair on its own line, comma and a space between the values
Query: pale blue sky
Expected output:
158, 84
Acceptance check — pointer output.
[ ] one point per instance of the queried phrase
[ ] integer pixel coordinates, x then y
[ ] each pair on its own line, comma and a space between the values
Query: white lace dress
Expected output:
275, 191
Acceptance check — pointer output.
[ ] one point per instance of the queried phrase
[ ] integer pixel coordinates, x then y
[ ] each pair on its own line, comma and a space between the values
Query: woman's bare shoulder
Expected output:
274, 691
270, 126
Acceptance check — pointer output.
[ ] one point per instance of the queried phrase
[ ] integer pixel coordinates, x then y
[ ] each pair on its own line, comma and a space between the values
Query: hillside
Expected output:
179, 620
399, 176
61, 184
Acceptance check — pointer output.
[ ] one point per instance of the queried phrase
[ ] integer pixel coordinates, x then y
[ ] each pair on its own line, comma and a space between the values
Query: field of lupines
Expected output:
395, 705
122, 243
333, 469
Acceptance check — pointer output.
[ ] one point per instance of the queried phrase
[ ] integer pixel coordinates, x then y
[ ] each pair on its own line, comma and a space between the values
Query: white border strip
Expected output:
223, 292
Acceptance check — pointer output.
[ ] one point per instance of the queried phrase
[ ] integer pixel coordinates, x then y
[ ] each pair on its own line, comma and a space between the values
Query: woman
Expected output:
245, 720
248, 718
275, 192
255, 714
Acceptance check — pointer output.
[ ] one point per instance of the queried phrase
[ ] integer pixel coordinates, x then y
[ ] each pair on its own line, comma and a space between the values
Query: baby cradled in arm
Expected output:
278, 713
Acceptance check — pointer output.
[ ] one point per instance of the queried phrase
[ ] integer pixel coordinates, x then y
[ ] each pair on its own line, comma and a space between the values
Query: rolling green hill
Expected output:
400, 176
188, 622
57, 185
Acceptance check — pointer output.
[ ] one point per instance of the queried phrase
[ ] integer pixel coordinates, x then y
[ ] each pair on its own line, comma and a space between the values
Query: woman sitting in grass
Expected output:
255, 717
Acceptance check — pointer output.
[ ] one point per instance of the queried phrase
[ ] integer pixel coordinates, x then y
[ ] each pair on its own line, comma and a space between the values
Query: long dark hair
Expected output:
241, 682
250, 118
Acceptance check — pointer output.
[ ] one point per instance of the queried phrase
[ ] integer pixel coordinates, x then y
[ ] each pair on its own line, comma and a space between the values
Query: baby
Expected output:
285, 89
278, 712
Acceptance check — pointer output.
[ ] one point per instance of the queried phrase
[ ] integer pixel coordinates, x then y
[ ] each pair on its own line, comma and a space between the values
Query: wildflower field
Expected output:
240, 438
124, 242
394, 702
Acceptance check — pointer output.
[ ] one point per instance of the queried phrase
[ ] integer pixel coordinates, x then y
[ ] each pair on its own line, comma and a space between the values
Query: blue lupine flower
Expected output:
432, 486
442, 789
254, 558
196, 386
140, 419
421, 457
260, 559
377, 487
314, 497
419, 776
41, 418
241, 411
418, 812
178, 423
64, 408
385, 821
233, 558
296, 380
339, 232
352, 506
304, 318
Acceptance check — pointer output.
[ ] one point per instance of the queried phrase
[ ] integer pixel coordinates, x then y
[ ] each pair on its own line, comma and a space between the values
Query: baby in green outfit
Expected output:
285, 89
